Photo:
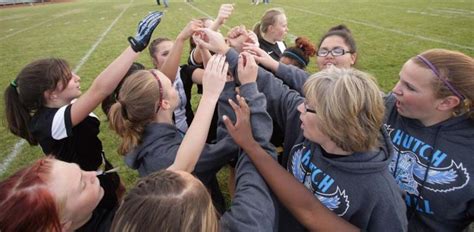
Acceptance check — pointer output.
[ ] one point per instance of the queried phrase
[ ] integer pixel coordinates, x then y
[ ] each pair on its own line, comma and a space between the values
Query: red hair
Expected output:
26, 203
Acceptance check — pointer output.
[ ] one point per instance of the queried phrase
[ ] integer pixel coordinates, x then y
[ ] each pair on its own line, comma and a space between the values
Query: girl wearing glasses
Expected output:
430, 122
429, 115
340, 152
429, 107
336, 48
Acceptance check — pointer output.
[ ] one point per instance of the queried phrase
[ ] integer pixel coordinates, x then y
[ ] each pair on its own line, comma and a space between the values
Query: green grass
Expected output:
387, 32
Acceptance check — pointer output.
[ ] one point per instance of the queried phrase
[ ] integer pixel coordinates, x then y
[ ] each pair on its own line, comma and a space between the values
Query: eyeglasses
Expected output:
334, 52
307, 109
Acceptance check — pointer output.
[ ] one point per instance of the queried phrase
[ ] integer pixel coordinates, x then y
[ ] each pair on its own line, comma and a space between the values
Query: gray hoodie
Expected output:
160, 143
358, 187
253, 206
450, 145
440, 193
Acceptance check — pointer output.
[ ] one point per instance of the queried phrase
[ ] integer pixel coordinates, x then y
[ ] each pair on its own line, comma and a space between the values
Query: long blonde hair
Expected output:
134, 109
350, 106
269, 18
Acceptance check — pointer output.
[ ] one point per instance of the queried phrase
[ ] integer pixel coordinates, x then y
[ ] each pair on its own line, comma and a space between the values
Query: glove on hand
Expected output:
144, 31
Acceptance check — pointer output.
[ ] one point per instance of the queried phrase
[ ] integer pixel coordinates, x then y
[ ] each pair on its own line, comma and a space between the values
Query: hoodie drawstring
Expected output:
421, 188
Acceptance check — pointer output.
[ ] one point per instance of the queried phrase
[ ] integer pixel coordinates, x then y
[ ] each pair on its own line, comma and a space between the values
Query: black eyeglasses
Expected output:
334, 52
307, 109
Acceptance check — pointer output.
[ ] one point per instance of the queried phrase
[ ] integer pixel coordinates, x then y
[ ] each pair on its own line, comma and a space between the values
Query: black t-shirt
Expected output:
275, 52
186, 73
272, 49
52, 128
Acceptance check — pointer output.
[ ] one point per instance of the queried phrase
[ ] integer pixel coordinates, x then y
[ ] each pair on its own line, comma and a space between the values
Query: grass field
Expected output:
91, 33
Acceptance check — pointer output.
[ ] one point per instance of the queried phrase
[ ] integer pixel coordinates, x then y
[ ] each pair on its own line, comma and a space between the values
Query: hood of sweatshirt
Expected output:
158, 138
364, 162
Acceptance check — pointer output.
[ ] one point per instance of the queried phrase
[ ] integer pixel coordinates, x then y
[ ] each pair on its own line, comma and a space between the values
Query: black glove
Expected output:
144, 31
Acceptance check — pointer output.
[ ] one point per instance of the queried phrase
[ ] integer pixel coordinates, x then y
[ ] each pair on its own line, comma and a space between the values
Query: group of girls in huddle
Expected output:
352, 158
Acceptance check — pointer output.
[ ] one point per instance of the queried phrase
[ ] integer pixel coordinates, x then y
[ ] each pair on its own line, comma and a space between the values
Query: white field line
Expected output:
206, 14
469, 12
89, 53
291, 37
15, 17
18, 146
41, 23
6, 162
420, 37
445, 12
26, 29
456, 12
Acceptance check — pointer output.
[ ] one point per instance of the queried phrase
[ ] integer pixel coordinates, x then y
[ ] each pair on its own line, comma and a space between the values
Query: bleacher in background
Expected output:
13, 2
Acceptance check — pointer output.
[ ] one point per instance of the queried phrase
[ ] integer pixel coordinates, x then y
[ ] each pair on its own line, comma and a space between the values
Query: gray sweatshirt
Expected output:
253, 207
160, 143
440, 193
442, 200
358, 187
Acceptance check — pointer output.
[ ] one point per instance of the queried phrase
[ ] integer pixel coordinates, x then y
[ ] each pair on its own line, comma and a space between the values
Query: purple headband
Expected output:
446, 82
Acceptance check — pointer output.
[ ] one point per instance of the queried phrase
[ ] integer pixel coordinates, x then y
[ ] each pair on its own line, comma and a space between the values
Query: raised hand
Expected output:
261, 56
241, 132
236, 32
144, 31
190, 29
215, 76
237, 36
224, 13
253, 38
247, 68
212, 40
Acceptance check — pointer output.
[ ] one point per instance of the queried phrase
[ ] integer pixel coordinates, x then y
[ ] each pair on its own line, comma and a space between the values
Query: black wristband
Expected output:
136, 46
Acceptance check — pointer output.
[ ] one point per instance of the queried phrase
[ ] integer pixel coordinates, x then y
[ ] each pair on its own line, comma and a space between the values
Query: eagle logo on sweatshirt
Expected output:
411, 172
304, 171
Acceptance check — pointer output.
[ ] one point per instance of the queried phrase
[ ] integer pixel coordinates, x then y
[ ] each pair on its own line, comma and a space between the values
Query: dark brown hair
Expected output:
25, 95
152, 48
343, 32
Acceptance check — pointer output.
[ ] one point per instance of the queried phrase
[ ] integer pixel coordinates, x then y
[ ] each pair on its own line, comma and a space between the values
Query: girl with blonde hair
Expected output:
173, 200
334, 142
271, 31
44, 106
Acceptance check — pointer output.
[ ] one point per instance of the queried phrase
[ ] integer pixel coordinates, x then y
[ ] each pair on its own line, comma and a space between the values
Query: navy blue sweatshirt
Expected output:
357, 187
440, 193
441, 199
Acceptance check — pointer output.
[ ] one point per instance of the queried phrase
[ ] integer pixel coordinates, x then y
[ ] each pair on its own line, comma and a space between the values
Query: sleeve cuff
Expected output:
248, 89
